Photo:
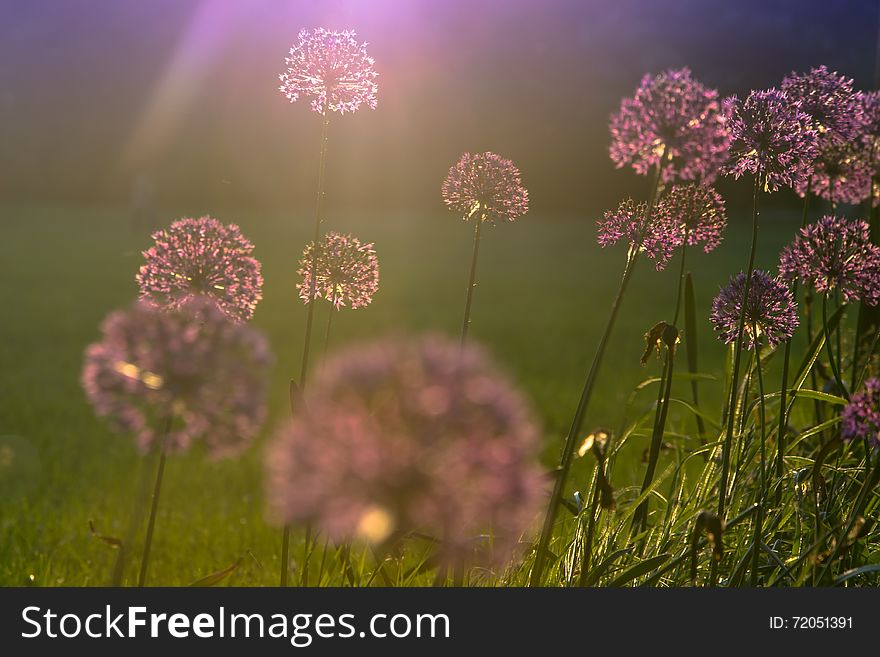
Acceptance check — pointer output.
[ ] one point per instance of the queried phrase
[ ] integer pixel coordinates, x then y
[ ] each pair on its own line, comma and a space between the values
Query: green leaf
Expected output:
112, 541
597, 572
813, 352
220, 575
641, 568
855, 572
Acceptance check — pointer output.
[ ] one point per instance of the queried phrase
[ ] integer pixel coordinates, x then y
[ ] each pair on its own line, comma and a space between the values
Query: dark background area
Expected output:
95, 92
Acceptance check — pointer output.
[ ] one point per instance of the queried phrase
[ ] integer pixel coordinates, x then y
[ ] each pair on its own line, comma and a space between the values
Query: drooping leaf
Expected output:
219, 576
642, 568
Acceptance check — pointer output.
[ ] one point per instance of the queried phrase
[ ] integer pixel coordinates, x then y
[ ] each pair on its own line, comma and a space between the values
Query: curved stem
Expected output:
154, 504
472, 281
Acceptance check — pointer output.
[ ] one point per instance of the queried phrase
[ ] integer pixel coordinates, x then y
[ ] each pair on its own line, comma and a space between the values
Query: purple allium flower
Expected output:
202, 257
333, 69
698, 211
771, 135
869, 134
346, 271
771, 307
841, 173
657, 236
193, 363
835, 253
406, 435
861, 416
828, 99
486, 185
674, 118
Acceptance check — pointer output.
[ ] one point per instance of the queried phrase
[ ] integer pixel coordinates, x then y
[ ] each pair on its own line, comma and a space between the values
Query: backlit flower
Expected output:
191, 366
346, 271
485, 186
771, 312
828, 99
773, 137
411, 435
673, 119
861, 416
835, 253
202, 257
698, 211
656, 236
332, 69
841, 173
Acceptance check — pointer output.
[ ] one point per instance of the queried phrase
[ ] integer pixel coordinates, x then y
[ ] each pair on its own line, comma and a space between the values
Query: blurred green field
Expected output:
543, 296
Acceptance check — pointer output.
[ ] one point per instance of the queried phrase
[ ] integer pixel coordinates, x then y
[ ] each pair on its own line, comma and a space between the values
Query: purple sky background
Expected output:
96, 91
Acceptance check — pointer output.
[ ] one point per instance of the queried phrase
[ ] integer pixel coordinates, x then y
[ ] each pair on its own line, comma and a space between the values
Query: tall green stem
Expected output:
835, 371
472, 281
762, 496
154, 504
310, 316
737, 356
679, 294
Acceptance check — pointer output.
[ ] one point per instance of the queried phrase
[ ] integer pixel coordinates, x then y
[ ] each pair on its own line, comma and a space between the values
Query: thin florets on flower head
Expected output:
656, 235
411, 435
835, 253
828, 99
675, 120
191, 368
202, 257
346, 271
841, 174
861, 416
771, 137
771, 311
868, 137
486, 186
333, 69
698, 211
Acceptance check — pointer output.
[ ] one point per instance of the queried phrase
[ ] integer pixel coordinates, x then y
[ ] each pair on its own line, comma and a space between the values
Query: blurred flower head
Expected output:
698, 211
771, 136
673, 119
486, 186
861, 416
401, 436
331, 68
841, 173
771, 311
835, 253
191, 364
654, 235
202, 257
868, 137
346, 271
828, 99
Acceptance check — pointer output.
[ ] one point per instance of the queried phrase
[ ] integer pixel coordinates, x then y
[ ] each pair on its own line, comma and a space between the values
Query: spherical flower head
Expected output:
861, 416
331, 68
202, 257
771, 311
868, 135
673, 119
773, 137
192, 365
486, 186
411, 435
841, 173
698, 211
346, 271
835, 253
828, 99
654, 235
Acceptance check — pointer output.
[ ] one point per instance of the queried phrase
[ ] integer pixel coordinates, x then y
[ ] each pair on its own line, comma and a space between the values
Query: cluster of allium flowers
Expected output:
333, 69
202, 257
671, 118
771, 136
192, 364
861, 416
411, 435
487, 186
346, 271
835, 253
655, 235
841, 173
771, 311
828, 99
698, 211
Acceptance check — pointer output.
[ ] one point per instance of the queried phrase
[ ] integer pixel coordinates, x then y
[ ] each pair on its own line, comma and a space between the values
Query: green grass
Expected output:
544, 292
